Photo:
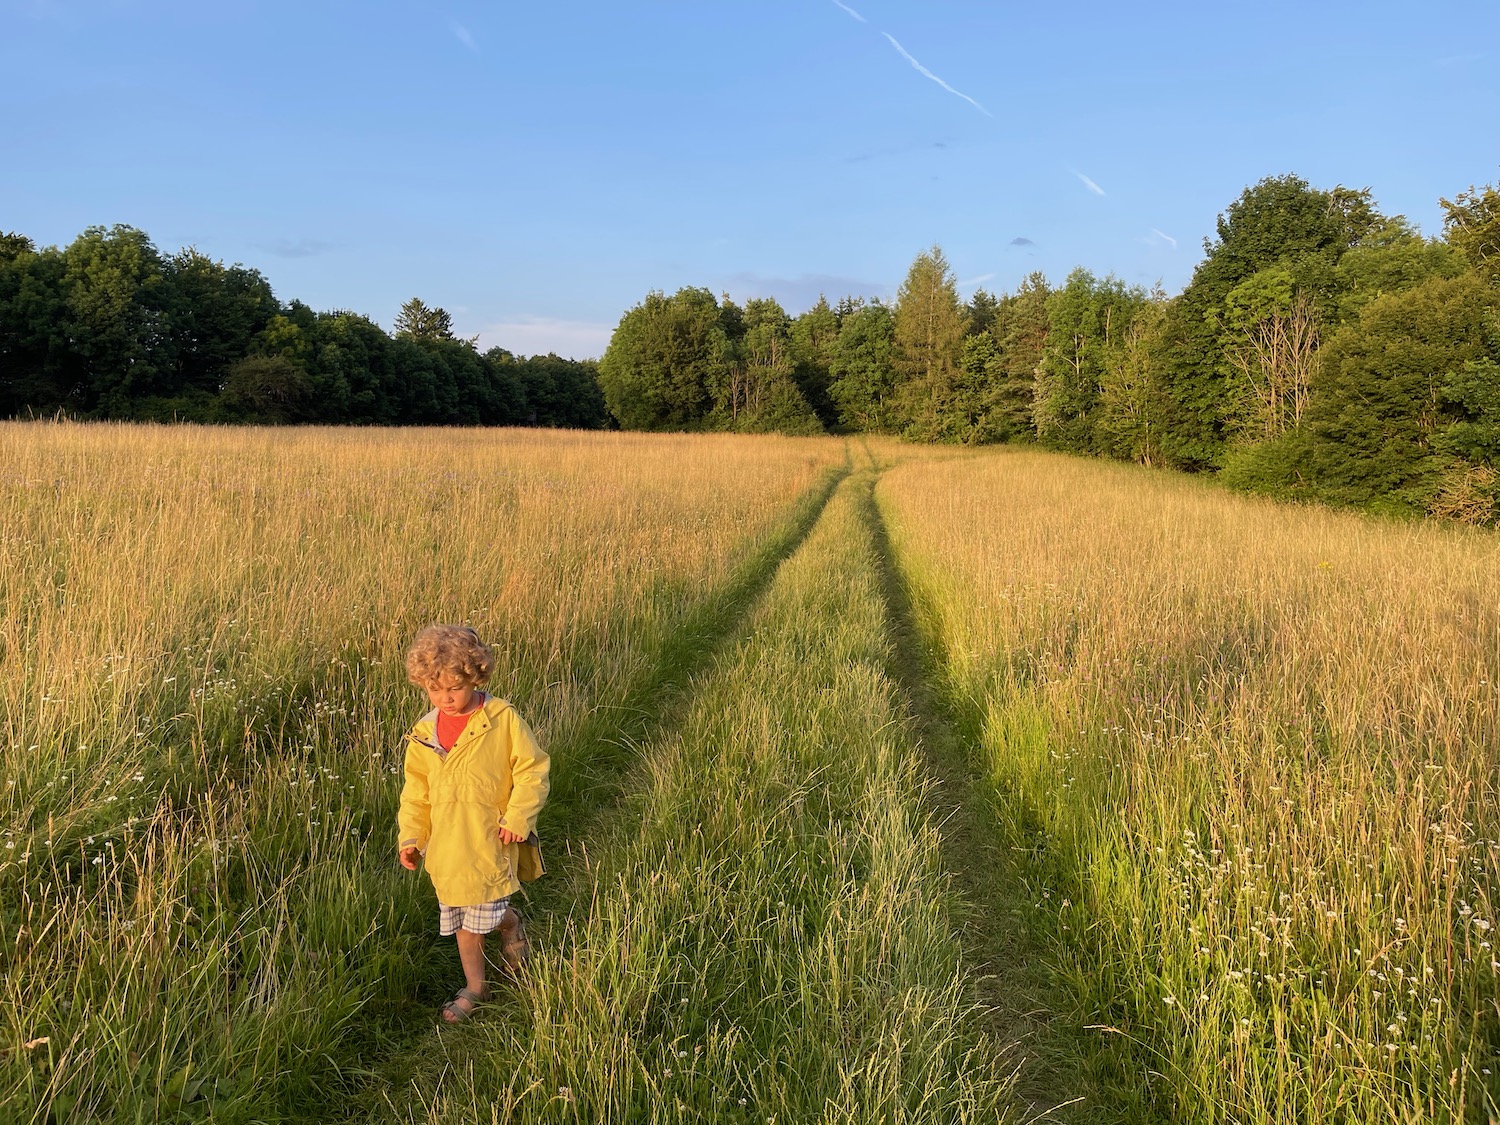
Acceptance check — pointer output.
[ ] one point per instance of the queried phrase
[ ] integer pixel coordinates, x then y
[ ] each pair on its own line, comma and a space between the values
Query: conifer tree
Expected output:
416, 321
927, 349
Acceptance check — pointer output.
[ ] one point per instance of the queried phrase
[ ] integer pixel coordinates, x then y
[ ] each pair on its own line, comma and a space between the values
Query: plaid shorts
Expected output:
479, 919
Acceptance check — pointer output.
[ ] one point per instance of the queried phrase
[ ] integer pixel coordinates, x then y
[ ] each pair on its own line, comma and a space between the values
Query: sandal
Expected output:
515, 948
452, 1013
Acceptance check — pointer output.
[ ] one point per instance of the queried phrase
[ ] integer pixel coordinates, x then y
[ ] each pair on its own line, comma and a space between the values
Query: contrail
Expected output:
851, 11
464, 37
1162, 234
922, 70
1088, 183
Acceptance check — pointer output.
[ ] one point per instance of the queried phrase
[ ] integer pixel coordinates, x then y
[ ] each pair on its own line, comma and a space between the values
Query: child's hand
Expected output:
509, 837
409, 857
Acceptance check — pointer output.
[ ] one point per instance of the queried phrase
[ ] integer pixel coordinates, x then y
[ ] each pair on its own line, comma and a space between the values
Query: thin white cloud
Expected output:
538, 335
461, 33
925, 73
1088, 183
980, 280
851, 11
1167, 238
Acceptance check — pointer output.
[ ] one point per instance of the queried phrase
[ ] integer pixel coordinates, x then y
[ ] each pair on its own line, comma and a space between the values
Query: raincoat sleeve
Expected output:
528, 776
414, 820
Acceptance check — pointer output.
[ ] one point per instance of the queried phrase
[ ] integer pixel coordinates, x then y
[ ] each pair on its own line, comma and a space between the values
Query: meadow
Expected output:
203, 709
1249, 753
1234, 766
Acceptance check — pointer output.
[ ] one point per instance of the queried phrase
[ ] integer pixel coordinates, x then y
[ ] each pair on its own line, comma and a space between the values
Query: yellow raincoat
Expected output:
453, 804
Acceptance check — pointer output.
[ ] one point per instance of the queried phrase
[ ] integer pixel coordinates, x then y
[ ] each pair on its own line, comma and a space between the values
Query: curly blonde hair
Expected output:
448, 652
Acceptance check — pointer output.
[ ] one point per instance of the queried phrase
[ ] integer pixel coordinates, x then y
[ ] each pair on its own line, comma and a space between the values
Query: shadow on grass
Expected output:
998, 854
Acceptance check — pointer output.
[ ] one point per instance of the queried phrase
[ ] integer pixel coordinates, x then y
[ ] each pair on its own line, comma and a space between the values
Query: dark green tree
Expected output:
979, 314
562, 392
1378, 398
1283, 221
927, 350
361, 375
979, 409
863, 379
1088, 320
416, 321
814, 335
667, 362
117, 296
1471, 402
1020, 331
268, 389
37, 374
731, 319
110, 328
216, 314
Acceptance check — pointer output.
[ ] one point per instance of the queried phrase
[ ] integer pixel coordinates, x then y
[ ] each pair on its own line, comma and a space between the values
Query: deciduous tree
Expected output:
763, 395
216, 313
1281, 220
118, 333
1087, 321
1378, 397
1471, 222
666, 361
1130, 391
863, 379
814, 334
1270, 338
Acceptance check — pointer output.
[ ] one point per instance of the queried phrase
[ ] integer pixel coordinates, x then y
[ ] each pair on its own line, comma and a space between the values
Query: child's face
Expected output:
450, 696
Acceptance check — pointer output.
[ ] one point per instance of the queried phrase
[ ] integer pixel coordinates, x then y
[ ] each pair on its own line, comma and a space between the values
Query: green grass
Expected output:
200, 910
1078, 794
1245, 758
763, 931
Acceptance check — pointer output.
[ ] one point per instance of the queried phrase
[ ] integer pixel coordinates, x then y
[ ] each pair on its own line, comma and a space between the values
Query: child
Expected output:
475, 781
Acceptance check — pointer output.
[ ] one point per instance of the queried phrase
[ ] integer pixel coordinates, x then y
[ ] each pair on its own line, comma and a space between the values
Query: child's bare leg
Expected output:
471, 953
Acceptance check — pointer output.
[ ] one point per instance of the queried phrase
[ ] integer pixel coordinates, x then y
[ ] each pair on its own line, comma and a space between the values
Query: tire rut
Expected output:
651, 706
1009, 981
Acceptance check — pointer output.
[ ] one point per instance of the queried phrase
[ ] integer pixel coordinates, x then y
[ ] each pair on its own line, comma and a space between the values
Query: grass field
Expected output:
203, 709
1250, 754
890, 785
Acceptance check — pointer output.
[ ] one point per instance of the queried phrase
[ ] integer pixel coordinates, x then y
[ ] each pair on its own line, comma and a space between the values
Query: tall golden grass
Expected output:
1259, 745
764, 931
201, 701
1251, 748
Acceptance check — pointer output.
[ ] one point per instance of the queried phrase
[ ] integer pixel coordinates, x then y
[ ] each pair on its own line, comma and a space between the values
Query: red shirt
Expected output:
449, 727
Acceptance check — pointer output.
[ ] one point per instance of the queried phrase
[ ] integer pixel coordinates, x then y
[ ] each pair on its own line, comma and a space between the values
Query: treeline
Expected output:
109, 328
1321, 351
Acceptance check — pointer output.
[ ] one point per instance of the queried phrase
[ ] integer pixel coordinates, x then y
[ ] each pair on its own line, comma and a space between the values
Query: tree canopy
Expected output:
1322, 350
109, 327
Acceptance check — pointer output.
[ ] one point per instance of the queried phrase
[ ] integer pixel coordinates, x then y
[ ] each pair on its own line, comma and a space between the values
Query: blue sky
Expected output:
537, 168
